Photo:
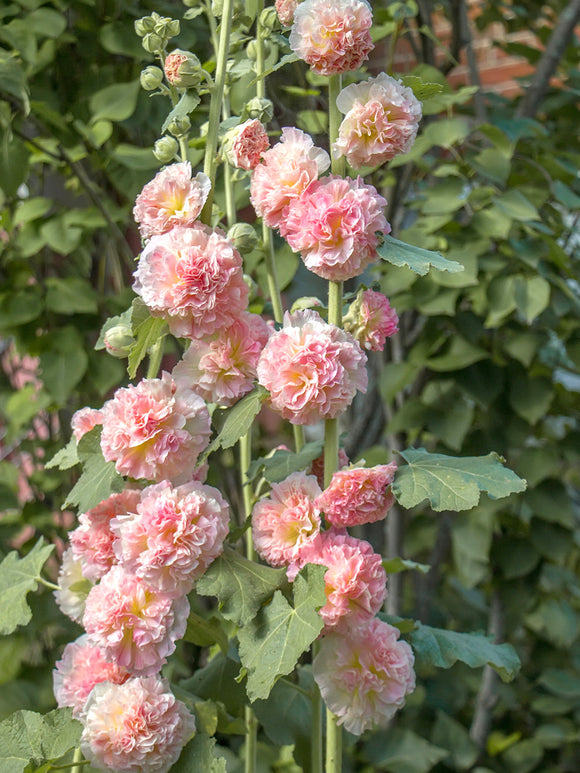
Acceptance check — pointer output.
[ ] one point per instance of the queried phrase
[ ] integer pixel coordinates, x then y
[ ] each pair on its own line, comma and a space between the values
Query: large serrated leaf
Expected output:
147, 330
417, 259
238, 420
200, 754
29, 738
66, 458
186, 105
19, 576
241, 586
281, 463
442, 649
452, 483
99, 479
271, 644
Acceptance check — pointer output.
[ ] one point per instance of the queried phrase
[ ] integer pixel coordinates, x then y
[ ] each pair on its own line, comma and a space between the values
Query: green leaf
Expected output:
63, 363
532, 296
99, 478
565, 684
396, 565
417, 259
452, 483
238, 420
516, 206
241, 586
66, 458
14, 158
556, 621
402, 751
204, 632
19, 576
493, 164
287, 714
115, 103
531, 397
60, 235
13, 80
199, 754
186, 105
459, 354
27, 738
281, 464
471, 538
452, 735
72, 295
271, 644
524, 756
141, 159
218, 681
286, 59
420, 88
442, 649
146, 330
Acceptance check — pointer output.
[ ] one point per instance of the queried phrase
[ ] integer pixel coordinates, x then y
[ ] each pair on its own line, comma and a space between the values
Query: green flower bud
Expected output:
173, 28
269, 19
119, 340
153, 43
183, 69
253, 287
144, 25
179, 126
243, 237
252, 49
260, 108
165, 149
151, 78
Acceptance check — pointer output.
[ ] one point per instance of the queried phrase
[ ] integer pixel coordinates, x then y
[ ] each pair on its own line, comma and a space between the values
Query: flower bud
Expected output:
260, 108
252, 286
144, 25
183, 69
165, 149
243, 237
119, 340
153, 43
179, 126
252, 49
269, 18
172, 28
151, 78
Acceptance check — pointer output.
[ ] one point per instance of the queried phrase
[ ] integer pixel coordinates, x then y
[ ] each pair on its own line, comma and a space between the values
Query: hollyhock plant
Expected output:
245, 144
355, 579
285, 10
92, 541
84, 420
73, 587
381, 118
284, 522
311, 369
334, 227
173, 535
371, 320
364, 674
172, 198
223, 369
287, 169
134, 625
193, 278
81, 667
135, 727
155, 430
332, 36
358, 495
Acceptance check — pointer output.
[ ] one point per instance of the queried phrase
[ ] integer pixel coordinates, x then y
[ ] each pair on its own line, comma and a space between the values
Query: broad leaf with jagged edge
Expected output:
146, 330
418, 259
452, 483
200, 754
281, 463
98, 480
241, 586
272, 643
28, 738
19, 576
66, 458
238, 420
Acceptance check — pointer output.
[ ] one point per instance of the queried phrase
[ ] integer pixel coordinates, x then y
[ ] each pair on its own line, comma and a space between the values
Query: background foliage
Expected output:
487, 359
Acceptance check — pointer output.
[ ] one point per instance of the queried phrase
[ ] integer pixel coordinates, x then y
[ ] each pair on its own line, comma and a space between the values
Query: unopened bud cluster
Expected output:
155, 31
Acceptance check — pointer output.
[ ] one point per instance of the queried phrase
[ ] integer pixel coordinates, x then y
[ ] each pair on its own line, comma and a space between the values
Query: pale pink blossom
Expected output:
155, 430
317, 466
312, 369
358, 495
81, 667
355, 579
173, 62
284, 522
73, 587
335, 226
286, 171
244, 145
332, 36
371, 320
223, 368
92, 540
135, 727
285, 10
135, 625
364, 674
172, 198
193, 278
381, 121
173, 536
84, 420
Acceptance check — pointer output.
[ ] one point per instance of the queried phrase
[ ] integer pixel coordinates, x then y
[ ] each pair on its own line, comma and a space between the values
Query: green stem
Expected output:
184, 147
333, 744
298, 436
47, 583
77, 760
338, 165
260, 54
155, 357
271, 273
215, 106
251, 740
317, 730
230, 198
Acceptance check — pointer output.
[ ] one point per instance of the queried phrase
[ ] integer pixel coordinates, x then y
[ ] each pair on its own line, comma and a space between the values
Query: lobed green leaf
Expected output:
417, 259
19, 576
